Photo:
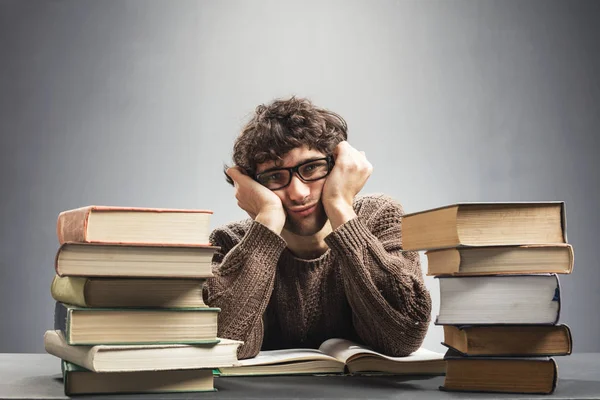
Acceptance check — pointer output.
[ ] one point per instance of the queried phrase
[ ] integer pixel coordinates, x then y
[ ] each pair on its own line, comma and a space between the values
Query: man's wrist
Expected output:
271, 220
339, 212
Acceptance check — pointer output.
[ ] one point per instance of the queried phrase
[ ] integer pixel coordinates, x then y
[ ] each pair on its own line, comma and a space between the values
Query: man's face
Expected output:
301, 200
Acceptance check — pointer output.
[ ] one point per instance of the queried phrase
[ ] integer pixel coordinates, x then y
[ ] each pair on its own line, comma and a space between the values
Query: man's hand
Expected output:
261, 204
349, 175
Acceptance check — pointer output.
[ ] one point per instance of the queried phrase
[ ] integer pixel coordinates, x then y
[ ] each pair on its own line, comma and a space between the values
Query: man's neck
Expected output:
308, 247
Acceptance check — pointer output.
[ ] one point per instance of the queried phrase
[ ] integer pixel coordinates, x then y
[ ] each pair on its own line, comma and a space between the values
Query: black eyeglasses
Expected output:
308, 171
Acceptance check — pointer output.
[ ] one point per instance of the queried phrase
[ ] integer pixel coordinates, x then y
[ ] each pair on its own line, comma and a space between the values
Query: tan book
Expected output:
92, 326
509, 340
336, 356
126, 358
493, 260
133, 225
485, 224
501, 375
78, 380
127, 292
147, 261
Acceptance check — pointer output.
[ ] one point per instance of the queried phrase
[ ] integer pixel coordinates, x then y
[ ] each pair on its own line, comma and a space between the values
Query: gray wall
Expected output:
137, 103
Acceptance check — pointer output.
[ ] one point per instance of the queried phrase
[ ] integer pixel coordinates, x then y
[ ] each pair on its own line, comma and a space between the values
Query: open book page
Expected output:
332, 357
360, 359
286, 362
270, 357
345, 351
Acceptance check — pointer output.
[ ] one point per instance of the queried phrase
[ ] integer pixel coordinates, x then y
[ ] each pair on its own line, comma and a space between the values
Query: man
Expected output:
314, 261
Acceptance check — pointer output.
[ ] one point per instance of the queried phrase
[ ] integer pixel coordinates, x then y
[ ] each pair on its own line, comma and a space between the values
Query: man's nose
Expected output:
297, 190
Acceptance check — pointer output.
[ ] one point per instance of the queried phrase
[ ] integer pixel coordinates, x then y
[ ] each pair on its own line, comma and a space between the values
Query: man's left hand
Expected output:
347, 178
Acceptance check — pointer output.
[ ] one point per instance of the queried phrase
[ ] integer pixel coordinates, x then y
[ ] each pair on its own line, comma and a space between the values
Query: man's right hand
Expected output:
261, 204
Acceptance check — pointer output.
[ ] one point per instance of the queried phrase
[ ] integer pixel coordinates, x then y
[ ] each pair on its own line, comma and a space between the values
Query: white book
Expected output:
125, 358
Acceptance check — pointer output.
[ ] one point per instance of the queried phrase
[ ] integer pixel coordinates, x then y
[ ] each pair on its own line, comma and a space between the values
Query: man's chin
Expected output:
304, 228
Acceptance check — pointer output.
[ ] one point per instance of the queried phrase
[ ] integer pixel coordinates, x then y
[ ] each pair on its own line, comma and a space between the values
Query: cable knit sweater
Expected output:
363, 288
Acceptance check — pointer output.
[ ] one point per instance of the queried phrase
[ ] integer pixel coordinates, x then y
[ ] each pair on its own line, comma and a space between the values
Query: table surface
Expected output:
37, 376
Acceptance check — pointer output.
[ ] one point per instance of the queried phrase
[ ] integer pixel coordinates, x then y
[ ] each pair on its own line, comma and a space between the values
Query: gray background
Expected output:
137, 103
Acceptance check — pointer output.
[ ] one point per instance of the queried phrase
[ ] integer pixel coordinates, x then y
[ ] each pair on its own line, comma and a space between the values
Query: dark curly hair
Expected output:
283, 125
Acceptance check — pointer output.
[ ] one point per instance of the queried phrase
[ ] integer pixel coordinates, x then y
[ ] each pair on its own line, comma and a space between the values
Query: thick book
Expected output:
127, 292
500, 375
133, 225
337, 356
485, 224
128, 358
77, 380
501, 299
91, 326
490, 260
141, 261
509, 340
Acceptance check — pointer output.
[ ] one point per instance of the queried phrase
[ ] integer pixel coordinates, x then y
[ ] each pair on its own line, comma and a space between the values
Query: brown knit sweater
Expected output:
364, 288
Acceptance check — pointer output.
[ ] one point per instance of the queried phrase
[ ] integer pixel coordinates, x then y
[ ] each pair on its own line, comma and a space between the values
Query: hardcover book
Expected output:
78, 380
509, 340
500, 375
127, 292
502, 299
133, 225
128, 358
491, 260
140, 261
485, 224
91, 326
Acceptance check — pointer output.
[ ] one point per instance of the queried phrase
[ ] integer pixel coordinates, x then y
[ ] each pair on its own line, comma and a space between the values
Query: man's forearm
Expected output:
242, 287
390, 303
339, 213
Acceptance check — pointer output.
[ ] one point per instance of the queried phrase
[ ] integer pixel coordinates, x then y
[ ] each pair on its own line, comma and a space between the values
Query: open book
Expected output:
337, 356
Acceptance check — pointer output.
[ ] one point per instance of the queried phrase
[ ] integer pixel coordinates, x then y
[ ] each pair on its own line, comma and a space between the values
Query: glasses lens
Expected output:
274, 179
314, 170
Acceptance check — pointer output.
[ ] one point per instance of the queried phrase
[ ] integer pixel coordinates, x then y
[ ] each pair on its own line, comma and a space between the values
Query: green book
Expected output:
78, 380
92, 326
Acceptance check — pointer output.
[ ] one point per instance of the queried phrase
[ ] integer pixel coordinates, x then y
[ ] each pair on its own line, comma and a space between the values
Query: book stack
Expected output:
129, 315
497, 265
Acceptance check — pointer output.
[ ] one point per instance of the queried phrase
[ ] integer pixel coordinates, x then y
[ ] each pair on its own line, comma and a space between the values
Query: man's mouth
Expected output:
303, 211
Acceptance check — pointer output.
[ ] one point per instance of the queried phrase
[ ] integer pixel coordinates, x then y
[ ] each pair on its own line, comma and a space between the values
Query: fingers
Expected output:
236, 174
339, 147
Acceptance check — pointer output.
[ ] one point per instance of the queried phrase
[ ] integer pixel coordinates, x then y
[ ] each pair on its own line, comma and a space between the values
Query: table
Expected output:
37, 376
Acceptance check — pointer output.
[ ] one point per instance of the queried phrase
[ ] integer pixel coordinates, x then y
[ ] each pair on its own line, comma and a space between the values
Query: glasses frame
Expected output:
296, 170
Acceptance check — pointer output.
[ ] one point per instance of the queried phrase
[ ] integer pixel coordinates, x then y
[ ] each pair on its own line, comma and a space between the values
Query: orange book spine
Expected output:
72, 225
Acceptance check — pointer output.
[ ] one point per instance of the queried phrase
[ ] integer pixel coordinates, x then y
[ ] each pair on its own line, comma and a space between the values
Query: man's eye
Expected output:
314, 168
273, 177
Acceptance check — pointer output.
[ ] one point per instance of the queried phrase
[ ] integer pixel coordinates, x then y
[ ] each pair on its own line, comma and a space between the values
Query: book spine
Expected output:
69, 290
571, 259
557, 298
72, 225
79, 355
60, 319
555, 379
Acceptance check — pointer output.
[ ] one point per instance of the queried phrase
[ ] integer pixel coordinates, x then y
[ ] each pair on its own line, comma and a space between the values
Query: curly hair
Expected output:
283, 125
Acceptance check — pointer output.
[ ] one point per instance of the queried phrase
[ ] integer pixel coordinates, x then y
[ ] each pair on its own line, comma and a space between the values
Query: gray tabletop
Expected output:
37, 376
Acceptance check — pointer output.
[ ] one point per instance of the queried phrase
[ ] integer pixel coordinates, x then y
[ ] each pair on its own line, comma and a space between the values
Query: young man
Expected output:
314, 261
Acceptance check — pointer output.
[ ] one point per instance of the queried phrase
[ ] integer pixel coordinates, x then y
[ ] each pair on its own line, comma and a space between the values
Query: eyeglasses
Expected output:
308, 171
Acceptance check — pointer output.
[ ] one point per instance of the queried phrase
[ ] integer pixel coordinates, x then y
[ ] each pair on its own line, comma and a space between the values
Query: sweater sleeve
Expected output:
244, 274
390, 304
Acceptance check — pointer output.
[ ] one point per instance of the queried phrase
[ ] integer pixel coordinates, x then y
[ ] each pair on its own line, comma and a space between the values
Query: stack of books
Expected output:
497, 265
129, 315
